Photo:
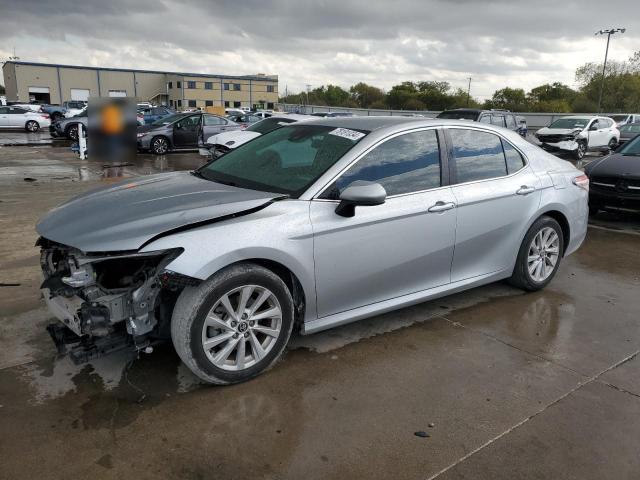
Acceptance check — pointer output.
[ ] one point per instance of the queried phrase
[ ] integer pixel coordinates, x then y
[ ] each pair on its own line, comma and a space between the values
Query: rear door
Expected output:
496, 193
213, 125
16, 117
400, 247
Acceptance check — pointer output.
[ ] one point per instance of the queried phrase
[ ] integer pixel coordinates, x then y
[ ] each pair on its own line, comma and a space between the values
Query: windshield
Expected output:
570, 123
632, 128
169, 119
453, 115
618, 118
286, 160
268, 124
632, 147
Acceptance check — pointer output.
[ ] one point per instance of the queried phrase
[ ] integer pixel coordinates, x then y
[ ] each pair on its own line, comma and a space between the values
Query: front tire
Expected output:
32, 126
233, 326
159, 145
539, 255
581, 151
613, 143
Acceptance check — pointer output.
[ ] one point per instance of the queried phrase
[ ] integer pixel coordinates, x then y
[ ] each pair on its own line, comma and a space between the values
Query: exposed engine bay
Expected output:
108, 302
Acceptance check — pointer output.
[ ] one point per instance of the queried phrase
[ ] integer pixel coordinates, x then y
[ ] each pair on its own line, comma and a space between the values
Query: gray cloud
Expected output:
497, 42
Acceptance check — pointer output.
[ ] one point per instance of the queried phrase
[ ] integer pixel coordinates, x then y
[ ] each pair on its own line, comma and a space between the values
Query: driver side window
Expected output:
404, 164
189, 123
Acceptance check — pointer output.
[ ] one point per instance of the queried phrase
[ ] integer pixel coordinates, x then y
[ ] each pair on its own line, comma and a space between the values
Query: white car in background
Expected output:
218, 145
625, 118
579, 134
12, 116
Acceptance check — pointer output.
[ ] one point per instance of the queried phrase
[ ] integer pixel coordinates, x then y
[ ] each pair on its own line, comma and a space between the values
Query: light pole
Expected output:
469, 92
608, 32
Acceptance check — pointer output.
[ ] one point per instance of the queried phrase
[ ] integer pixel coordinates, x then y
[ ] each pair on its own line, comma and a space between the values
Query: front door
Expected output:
400, 247
185, 131
4, 117
496, 193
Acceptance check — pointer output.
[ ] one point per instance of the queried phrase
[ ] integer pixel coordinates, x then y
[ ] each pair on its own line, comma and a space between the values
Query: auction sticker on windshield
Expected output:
347, 133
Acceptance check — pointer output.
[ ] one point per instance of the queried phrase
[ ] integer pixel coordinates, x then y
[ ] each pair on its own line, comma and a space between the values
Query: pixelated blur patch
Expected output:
112, 127
113, 121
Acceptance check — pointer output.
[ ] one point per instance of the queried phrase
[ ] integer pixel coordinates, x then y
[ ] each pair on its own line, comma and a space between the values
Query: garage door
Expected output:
38, 89
117, 93
80, 94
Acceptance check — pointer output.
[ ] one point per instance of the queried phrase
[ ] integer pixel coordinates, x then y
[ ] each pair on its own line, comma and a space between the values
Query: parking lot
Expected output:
496, 383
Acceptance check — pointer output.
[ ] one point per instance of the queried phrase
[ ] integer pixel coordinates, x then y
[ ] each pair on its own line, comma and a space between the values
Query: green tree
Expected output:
399, 95
513, 99
365, 95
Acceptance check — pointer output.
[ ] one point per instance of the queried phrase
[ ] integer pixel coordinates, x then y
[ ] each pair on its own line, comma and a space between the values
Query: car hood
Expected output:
615, 165
128, 214
238, 137
557, 131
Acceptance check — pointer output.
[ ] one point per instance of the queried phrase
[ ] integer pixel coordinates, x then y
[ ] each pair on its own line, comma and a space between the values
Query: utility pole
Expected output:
469, 91
608, 33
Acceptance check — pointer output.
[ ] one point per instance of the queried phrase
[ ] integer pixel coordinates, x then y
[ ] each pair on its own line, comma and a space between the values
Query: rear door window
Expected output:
404, 164
514, 160
497, 120
477, 155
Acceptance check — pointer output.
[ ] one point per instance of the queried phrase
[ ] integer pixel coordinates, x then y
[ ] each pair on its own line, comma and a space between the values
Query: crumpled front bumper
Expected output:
565, 146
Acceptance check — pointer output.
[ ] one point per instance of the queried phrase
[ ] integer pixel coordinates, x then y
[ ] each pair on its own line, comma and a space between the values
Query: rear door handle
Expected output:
441, 207
525, 190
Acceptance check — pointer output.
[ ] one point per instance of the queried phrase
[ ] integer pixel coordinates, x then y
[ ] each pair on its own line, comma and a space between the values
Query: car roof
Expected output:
397, 123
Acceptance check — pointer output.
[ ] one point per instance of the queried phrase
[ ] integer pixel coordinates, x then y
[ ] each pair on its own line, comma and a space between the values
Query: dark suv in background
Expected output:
500, 118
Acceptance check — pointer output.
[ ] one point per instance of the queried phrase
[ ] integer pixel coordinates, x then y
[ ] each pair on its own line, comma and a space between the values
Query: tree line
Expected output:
621, 94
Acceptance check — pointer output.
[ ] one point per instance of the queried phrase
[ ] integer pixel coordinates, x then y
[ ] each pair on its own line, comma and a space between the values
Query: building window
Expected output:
178, 84
236, 87
226, 103
271, 88
226, 86
208, 103
179, 103
237, 104
208, 85
192, 103
270, 105
170, 85
171, 103
191, 84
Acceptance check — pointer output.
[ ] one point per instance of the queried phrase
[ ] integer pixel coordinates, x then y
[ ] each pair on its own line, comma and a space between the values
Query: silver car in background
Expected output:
310, 226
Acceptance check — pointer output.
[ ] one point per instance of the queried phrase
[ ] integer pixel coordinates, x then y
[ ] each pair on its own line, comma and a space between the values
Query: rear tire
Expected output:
539, 255
72, 132
32, 126
223, 346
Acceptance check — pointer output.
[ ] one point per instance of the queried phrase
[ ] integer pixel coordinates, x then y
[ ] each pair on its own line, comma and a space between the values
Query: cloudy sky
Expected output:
496, 42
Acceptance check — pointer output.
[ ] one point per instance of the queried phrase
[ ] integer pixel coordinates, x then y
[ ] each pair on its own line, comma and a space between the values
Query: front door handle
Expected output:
441, 207
525, 190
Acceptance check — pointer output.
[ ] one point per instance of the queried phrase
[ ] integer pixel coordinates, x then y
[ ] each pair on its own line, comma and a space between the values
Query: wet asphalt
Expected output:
502, 384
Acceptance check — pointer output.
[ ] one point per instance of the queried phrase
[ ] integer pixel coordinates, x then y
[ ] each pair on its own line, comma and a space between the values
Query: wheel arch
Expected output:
289, 278
560, 217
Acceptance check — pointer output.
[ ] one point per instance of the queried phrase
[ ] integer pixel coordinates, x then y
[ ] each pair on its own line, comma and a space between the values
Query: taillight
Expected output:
582, 181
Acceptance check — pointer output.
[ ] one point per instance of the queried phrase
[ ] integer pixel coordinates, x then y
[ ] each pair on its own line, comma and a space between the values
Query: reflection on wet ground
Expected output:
44, 164
506, 384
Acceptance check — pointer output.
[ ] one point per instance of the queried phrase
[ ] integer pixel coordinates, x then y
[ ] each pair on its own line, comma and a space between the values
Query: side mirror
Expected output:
360, 193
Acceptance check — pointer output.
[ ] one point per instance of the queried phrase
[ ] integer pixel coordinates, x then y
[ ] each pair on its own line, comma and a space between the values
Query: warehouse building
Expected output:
51, 83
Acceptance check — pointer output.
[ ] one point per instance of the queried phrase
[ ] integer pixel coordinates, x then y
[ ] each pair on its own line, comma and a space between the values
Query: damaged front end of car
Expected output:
108, 302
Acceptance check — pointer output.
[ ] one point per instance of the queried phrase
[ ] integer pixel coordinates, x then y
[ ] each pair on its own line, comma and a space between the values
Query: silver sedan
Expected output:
310, 226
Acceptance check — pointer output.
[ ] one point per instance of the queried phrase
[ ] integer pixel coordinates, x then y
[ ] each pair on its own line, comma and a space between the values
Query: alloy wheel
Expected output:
543, 254
160, 146
582, 149
32, 126
242, 327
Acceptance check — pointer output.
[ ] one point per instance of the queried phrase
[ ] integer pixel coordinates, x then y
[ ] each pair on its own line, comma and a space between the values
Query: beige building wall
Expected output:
149, 85
10, 84
78, 78
143, 85
116, 81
